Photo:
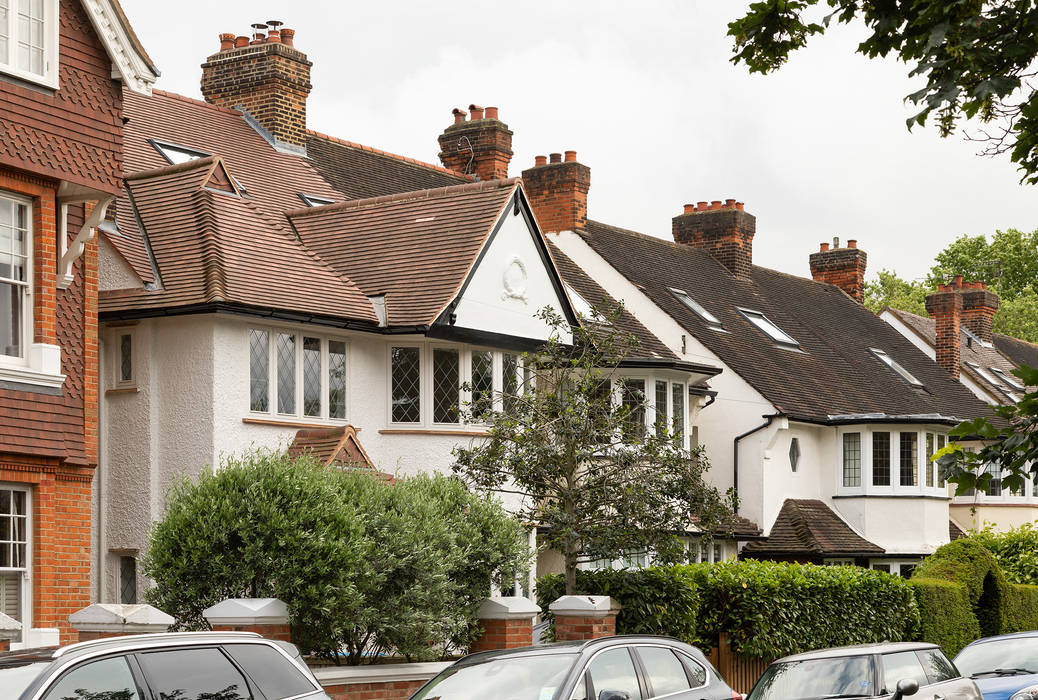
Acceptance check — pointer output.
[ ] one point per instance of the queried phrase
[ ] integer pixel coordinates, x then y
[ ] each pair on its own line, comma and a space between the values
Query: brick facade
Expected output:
481, 146
558, 190
979, 305
841, 267
570, 628
723, 229
945, 307
503, 634
280, 632
268, 79
386, 690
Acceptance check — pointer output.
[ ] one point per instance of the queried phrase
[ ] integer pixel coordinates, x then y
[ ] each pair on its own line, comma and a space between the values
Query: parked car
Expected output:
626, 667
1004, 667
178, 666
892, 670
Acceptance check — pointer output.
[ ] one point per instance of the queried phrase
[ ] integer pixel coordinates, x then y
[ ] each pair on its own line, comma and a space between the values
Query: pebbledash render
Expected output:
61, 86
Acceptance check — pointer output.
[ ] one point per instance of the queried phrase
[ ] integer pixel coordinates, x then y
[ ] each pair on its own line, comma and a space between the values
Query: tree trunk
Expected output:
571, 573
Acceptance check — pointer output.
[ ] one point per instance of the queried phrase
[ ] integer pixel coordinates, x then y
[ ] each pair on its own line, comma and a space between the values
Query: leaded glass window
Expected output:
128, 580
930, 466
995, 484
661, 407
286, 365
632, 398
942, 440
446, 385
259, 370
852, 459
677, 407
406, 394
311, 376
908, 459
881, 459
125, 357
482, 383
336, 379
510, 380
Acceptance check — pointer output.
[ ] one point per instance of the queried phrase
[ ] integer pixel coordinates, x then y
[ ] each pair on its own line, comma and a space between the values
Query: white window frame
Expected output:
315, 201
272, 376
884, 357
424, 378
27, 580
895, 488
117, 373
1008, 379
51, 60
164, 148
769, 328
698, 309
23, 360
894, 564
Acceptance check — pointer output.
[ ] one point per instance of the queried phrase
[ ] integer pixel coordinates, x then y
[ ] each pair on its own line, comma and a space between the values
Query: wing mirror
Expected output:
614, 695
906, 687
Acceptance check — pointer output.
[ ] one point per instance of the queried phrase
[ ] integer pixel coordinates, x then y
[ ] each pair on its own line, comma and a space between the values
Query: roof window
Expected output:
177, 154
686, 299
975, 338
985, 375
312, 201
896, 366
583, 309
1007, 378
769, 328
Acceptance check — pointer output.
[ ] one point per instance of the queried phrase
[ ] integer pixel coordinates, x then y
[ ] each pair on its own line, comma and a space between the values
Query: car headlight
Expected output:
1028, 693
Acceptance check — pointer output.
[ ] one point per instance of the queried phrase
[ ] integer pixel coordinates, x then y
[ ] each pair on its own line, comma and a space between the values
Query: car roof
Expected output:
575, 647
1000, 637
126, 643
858, 650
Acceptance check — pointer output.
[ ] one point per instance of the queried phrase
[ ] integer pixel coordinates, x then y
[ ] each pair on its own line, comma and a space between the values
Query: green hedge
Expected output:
767, 609
945, 613
1016, 551
1023, 608
968, 562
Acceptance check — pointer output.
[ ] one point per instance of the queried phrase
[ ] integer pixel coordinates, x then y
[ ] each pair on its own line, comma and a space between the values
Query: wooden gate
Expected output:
738, 671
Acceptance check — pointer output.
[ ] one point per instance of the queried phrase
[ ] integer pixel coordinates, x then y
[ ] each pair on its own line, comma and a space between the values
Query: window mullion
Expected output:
272, 372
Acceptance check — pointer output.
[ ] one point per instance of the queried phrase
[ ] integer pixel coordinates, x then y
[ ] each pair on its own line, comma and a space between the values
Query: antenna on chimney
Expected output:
464, 144
836, 242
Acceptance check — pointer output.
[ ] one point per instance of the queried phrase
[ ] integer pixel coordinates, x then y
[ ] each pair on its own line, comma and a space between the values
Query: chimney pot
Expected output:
556, 157
957, 281
480, 148
841, 267
226, 41
729, 203
571, 156
459, 115
558, 196
740, 206
540, 160
491, 113
288, 36
241, 41
836, 242
823, 248
690, 208
702, 206
715, 204
259, 33
852, 243
476, 112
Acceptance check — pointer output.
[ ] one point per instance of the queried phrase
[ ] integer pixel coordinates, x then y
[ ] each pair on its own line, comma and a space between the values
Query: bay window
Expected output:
299, 375
852, 459
881, 458
406, 394
883, 461
15, 275
482, 383
908, 459
29, 40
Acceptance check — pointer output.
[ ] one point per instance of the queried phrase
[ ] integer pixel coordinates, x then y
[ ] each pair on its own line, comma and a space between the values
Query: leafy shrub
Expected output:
1016, 551
658, 600
365, 566
1023, 608
767, 609
946, 614
968, 562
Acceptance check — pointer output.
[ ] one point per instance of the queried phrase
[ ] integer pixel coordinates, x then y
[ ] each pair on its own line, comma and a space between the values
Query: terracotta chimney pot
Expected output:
571, 156
476, 111
715, 204
729, 203
690, 208
540, 160
823, 247
852, 243
491, 113
241, 41
459, 115
287, 36
702, 206
226, 41
556, 157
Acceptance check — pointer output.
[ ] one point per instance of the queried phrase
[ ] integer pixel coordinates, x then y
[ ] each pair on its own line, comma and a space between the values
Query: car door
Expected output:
898, 666
109, 678
671, 675
611, 669
947, 682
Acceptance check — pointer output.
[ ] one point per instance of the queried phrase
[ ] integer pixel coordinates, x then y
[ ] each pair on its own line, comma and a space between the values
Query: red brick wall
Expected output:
504, 634
978, 310
75, 132
480, 146
571, 628
841, 267
558, 192
390, 690
723, 230
282, 632
945, 307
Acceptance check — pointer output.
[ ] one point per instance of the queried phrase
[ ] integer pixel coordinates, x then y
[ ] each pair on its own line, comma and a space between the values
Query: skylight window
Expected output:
177, 154
769, 328
1007, 378
896, 366
988, 377
582, 308
312, 201
686, 299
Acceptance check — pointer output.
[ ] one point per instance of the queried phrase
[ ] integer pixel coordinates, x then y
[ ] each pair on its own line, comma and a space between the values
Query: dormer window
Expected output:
686, 299
769, 329
896, 366
176, 154
29, 40
1007, 378
312, 201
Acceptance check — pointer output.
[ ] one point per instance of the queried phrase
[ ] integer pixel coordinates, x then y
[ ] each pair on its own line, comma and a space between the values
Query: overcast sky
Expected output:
646, 95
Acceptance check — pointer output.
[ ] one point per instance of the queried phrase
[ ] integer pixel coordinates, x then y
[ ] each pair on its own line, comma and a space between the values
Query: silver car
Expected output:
179, 666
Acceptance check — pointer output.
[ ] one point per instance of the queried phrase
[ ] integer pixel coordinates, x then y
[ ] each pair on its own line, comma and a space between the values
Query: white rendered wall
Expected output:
899, 525
113, 270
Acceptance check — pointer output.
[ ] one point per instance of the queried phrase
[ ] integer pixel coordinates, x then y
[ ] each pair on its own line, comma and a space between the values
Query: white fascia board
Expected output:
128, 64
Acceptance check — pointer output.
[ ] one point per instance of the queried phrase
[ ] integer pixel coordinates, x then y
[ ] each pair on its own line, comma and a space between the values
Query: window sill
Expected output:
434, 431
43, 368
122, 390
290, 423
50, 82
930, 496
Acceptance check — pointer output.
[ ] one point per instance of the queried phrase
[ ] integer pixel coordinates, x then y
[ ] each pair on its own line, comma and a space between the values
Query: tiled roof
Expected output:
740, 529
809, 528
954, 531
416, 248
649, 345
1019, 351
360, 171
836, 375
970, 352
331, 446
216, 247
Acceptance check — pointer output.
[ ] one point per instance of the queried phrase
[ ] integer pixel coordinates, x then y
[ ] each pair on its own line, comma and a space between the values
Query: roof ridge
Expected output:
213, 264
195, 101
415, 195
173, 169
379, 151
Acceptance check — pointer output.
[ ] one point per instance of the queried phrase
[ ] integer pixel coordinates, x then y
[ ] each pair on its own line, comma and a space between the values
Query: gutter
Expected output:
735, 453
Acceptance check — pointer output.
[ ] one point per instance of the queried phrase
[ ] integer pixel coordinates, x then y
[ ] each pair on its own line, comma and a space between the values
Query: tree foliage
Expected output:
976, 57
890, 290
1016, 551
572, 450
367, 567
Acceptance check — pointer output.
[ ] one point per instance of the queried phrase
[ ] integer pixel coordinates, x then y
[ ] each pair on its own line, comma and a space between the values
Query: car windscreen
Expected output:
999, 657
15, 679
512, 677
814, 679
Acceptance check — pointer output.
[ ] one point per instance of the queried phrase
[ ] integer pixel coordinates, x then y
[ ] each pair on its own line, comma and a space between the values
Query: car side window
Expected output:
902, 665
580, 692
665, 672
276, 676
194, 674
695, 669
107, 679
613, 669
937, 665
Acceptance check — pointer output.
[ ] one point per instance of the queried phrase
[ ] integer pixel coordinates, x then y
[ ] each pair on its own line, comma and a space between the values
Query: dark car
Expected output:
179, 666
612, 668
1004, 667
891, 670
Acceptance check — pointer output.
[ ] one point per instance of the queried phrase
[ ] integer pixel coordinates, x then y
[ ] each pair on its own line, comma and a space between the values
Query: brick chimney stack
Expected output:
266, 77
723, 229
557, 190
841, 267
480, 146
945, 308
979, 305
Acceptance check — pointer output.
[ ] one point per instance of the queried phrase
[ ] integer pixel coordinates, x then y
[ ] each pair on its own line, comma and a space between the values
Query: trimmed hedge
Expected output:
1023, 608
966, 561
945, 613
767, 609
